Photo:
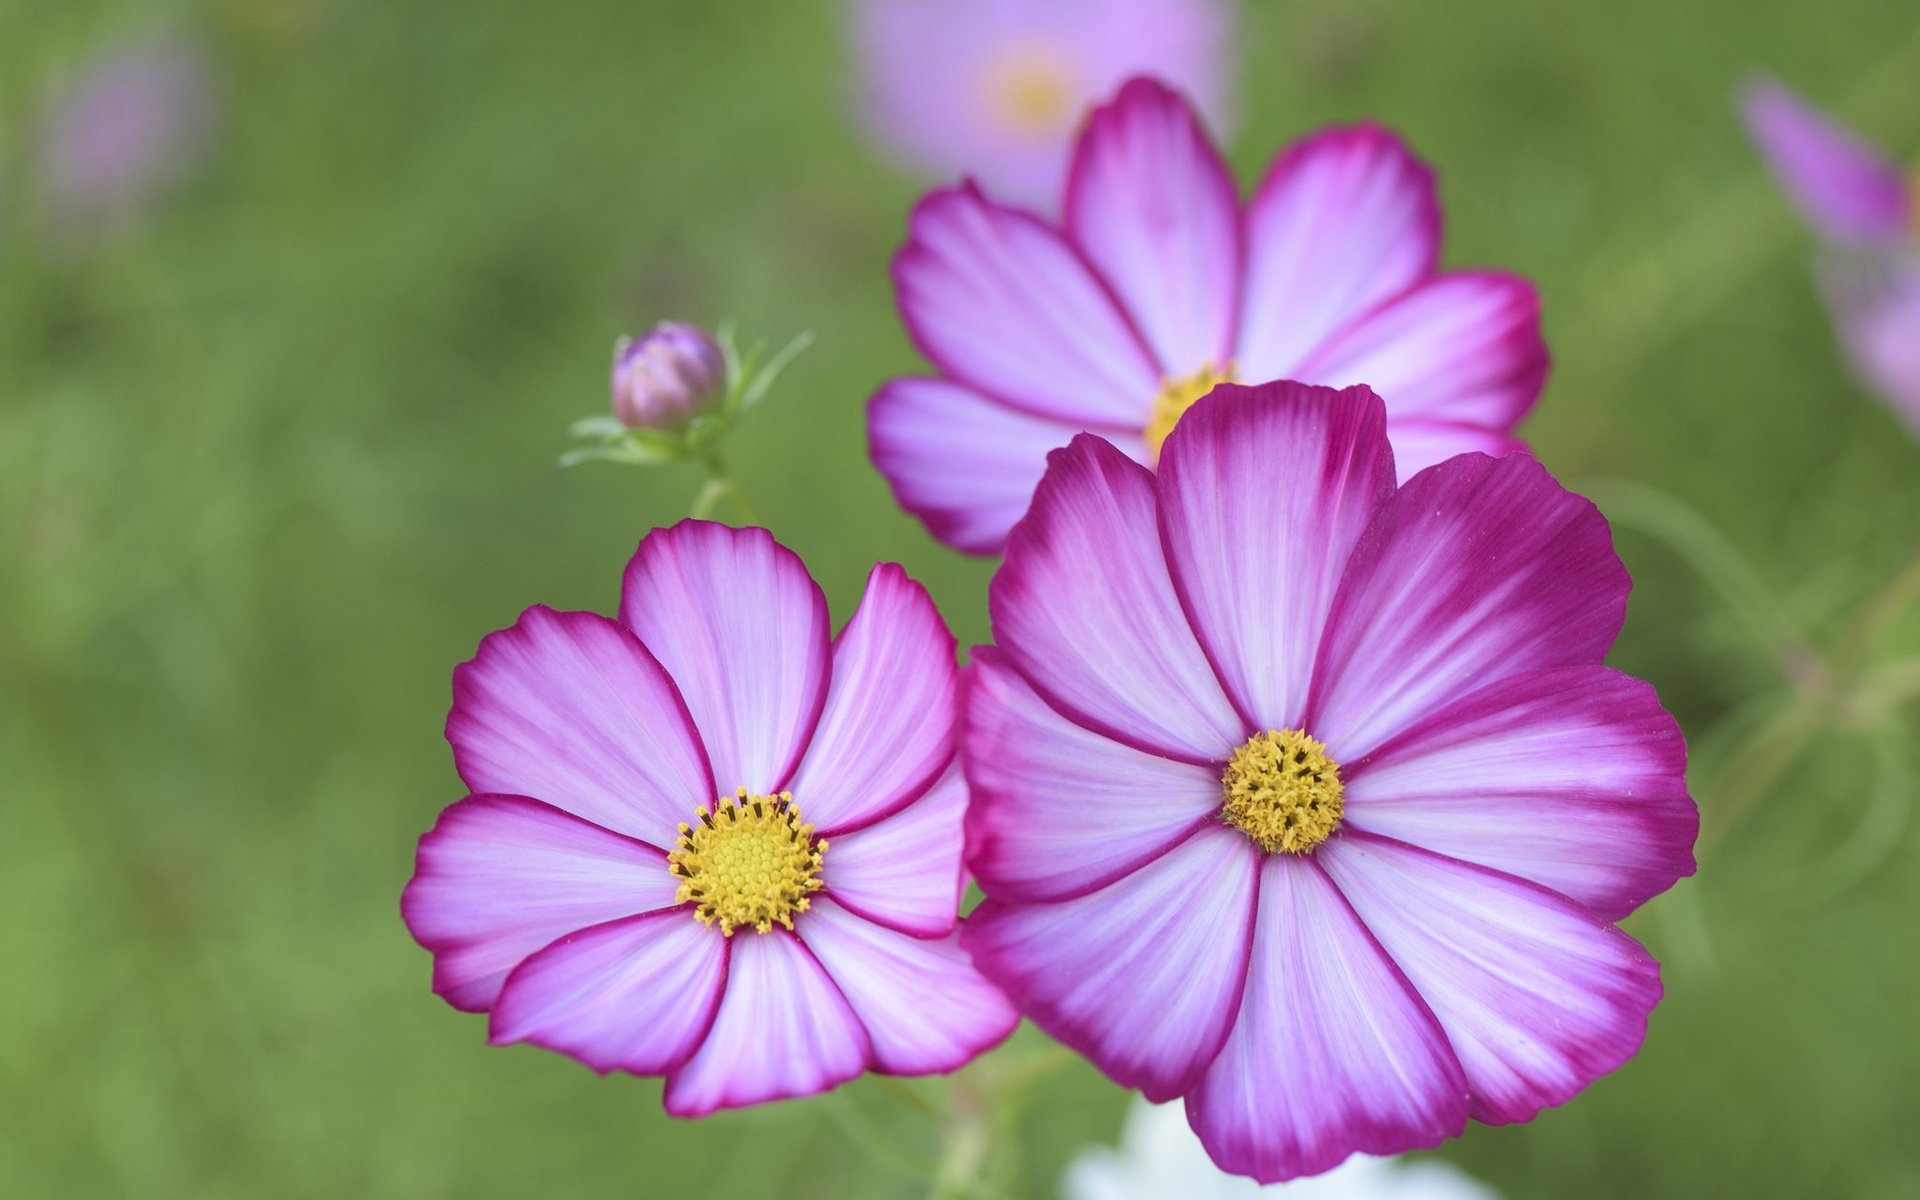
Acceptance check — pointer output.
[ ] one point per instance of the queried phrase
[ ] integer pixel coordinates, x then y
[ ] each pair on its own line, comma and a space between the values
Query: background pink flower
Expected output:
1307, 797
599, 898
994, 89
1868, 212
124, 127
1157, 285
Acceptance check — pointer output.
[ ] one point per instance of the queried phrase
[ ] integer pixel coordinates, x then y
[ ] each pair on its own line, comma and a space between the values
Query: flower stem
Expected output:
719, 487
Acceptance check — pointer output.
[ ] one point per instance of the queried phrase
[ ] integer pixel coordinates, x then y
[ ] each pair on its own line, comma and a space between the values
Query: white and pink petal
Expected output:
887, 729
1573, 778
906, 871
569, 708
963, 463
636, 994
1256, 567
1538, 995
1000, 301
784, 1029
1085, 609
1057, 810
1463, 348
1343, 221
742, 628
1333, 1052
499, 877
1143, 976
1477, 569
925, 1008
1153, 207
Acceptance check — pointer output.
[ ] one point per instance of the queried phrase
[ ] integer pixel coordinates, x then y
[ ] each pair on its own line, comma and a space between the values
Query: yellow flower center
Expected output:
1031, 88
1176, 396
1282, 791
748, 862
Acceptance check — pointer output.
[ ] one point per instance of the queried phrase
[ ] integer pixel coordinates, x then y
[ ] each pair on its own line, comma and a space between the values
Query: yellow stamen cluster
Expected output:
1030, 87
749, 861
1282, 791
1176, 396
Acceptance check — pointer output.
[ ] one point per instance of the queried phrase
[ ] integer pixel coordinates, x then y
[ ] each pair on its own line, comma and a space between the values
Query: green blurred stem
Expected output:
720, 487
1903, 589
1692, 537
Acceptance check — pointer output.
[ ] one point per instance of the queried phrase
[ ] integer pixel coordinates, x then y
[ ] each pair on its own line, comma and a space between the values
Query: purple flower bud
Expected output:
664, 379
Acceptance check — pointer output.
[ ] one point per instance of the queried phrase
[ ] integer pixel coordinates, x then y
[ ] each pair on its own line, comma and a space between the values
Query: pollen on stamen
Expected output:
1283, 790
751, 861
1176, 396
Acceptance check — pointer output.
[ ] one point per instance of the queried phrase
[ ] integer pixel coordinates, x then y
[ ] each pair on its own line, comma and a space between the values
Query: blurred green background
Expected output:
275, 457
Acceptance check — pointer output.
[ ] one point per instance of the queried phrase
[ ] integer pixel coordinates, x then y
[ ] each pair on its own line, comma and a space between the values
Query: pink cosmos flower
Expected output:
1306, 797
1850, 190
1869, 214
706, 844
1157, 286
126, 126
996, 88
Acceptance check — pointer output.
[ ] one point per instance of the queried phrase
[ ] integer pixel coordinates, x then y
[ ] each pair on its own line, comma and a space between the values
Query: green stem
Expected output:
718, 487
1879, 612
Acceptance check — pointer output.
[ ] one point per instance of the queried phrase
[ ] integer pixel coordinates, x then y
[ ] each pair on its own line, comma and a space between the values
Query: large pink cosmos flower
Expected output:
1868, 213
1157, 286
634, 882
1305, 796
996, 88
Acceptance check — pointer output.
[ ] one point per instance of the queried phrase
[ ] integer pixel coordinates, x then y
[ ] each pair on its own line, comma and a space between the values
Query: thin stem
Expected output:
1879, 612
720, 486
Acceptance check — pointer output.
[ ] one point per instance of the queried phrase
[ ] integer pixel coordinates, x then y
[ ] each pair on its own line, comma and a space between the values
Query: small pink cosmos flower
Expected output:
1306, 797
1868, 212
126, 126
1157, 286
996, 88
706, 844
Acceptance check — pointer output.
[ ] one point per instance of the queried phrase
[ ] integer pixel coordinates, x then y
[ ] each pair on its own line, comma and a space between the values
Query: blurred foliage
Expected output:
275, 457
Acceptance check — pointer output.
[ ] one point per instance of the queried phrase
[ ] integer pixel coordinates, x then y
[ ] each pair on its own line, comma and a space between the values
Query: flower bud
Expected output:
664, 379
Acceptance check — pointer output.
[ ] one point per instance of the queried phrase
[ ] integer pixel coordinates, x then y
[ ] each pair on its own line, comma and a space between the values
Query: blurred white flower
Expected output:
1160, 1159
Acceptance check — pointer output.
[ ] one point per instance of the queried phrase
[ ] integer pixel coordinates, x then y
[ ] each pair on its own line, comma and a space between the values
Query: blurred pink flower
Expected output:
1868, 212
123, 129
994, 89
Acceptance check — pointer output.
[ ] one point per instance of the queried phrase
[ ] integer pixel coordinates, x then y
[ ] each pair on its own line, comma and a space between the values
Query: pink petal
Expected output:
1263, 493
887, 729
905, 872
924, 1006
567, 707
998, 300
1343, 220
636, 994
1574, 779
1477, 569
1463, 347
1845, 186
1152, 206
498, 877
1538, 996
1419, 444
1333, 1051
783, 1030
964, 464
1058, 811
1143, 976
736, 620
1084, 608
